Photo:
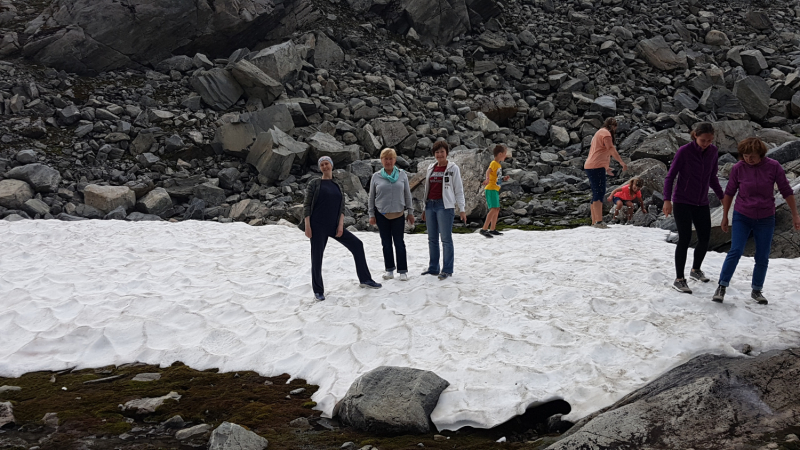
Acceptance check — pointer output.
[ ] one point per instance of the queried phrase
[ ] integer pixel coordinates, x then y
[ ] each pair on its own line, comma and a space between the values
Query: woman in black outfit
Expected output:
324, 218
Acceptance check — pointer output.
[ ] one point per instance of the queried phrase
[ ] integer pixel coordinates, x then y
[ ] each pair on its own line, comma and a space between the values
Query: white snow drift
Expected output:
585, 315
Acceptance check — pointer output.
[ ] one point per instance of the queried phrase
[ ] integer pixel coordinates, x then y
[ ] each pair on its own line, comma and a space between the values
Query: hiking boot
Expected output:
719, 294
319, 296
600, 225
757, 296
370, 284
445, 275
495, 233
681, 286
486, 233
697, 274
388, 275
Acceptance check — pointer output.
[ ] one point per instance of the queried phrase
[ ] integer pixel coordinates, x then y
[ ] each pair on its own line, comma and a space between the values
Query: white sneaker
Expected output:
388, 275
403, 277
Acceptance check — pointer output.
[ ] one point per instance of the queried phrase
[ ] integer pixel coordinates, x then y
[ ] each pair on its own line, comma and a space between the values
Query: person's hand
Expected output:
609, 171
724, 224
410, 219
339, 230
463, 216
796, 222
308, 231
609, 198
506, 178
667, 208
423, 216
373, 221
485, 182
624, 167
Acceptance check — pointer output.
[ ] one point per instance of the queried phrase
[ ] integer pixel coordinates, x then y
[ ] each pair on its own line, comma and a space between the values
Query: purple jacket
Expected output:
696, 170
756, 185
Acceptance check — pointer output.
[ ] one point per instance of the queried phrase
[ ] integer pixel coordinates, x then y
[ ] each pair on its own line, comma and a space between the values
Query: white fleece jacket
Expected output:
452, 190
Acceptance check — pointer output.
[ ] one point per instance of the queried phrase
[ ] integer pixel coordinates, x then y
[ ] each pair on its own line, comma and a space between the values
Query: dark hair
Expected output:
635, 181
752, 145
440, 144
499, 149
609, 125
702, 128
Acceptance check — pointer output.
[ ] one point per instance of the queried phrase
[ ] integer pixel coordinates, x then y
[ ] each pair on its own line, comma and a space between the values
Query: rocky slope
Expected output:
218, 110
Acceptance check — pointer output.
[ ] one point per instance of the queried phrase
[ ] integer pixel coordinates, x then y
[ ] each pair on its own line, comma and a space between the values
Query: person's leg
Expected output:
683, 220
617, 207
385, 231
630, 210
445, 218
762, 233
701, 217
495, 212
432, 223
740, 231
595, 205
356, 247
398, 227
318, 243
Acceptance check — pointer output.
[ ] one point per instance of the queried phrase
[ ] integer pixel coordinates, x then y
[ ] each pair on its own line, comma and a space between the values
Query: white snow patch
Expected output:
584, 315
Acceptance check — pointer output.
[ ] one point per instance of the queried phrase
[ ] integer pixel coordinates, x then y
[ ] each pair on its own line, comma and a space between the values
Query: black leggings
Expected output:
685, 216
319, 240
392, 230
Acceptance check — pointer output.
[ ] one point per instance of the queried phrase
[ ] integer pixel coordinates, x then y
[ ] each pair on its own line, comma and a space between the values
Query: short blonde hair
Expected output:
388, 153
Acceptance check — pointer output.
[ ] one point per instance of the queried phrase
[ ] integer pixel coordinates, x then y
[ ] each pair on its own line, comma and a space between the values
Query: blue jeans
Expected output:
440, 223
762, 230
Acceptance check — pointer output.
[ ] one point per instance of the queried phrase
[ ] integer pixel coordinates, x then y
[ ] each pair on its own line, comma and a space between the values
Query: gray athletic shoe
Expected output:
759, 297
719, 294
600, 225
681, 286
697, 274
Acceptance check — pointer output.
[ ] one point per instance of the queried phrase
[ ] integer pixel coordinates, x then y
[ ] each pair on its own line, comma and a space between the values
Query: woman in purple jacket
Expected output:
695, 167
755, 178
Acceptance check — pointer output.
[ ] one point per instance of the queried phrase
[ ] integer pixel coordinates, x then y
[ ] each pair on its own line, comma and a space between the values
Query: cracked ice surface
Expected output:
586, 315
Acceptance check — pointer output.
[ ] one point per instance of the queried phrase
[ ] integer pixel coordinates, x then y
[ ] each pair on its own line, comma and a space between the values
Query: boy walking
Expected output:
492, 191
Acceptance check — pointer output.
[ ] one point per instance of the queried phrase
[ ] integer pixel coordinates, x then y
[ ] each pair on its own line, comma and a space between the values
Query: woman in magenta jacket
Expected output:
754, 178
695, 168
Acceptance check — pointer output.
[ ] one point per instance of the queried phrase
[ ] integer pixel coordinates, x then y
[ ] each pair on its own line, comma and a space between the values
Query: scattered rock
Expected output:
149, 405
107, 198
229, 436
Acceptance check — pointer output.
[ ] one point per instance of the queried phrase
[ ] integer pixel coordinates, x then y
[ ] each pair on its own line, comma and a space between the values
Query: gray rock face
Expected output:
327, 53
323, 144
709, 402
14, 193
256, 83
281, 62
41, 177
229, 436
107, 198
155, 202
91, 36
658, 53
392, 400
218, 88
754, 93
661, 146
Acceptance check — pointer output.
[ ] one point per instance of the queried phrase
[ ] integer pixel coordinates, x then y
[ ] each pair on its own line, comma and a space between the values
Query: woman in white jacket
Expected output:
444, 195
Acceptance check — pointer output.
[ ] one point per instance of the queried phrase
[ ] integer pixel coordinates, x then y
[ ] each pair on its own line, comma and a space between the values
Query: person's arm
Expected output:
715, 186
311, 190
486, 177
669, 181
786, 191
610, 196
726, 206
727, 199
793, 208
409, 201
609, 143
340, 227
371, 201
458, 187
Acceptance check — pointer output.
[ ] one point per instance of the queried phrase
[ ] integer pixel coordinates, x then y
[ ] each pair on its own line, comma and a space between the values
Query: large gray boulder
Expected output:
155, 202
392, 400
92, 36
234, 138
392, 132
210, 194
323, 144
710, 402
217, 87
256, 83
14, 193
728, 134
753, 61
281, 62
248, 209
722, 102
273, 154
327, 53
472, 164
785, 153
660, 146
107, 198
658, 53
229, 436
277, 116
41, 177
754, 93
652, 172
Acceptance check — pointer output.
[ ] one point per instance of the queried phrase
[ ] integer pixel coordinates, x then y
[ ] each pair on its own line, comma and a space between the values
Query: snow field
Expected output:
585, 315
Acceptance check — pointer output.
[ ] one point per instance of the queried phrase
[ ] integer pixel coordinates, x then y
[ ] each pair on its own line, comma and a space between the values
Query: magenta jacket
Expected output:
756, 185
695, 170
